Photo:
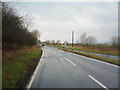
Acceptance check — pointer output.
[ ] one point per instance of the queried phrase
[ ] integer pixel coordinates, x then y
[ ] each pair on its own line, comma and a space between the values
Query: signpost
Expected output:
65, 44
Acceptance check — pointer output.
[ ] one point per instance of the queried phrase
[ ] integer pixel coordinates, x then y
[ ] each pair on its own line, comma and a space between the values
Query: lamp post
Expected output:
72, 38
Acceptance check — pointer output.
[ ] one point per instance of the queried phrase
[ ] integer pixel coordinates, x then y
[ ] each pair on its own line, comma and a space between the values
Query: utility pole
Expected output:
72, 38
39, 39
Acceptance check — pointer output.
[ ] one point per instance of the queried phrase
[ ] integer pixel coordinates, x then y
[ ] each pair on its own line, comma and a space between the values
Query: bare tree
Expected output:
91, 40
87, 40
27, 19
13, 29
83, 39
114, 40
35, 33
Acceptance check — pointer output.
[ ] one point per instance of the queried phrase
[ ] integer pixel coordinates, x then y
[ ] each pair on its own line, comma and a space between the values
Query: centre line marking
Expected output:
60, 54
98, 82
69, 61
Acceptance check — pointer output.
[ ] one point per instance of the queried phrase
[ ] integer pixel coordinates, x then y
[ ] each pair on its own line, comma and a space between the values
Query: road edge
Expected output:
34, 73
92, 58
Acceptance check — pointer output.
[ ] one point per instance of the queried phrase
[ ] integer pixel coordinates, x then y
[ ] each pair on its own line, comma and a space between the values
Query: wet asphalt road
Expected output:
60, 69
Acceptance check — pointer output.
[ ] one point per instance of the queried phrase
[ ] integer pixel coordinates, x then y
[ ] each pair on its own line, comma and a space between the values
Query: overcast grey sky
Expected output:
56, 20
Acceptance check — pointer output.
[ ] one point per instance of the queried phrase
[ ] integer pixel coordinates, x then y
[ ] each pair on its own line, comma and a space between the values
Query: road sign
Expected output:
65, 44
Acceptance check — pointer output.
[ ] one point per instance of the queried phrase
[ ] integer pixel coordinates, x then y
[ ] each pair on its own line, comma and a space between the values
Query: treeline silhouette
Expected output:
14, 31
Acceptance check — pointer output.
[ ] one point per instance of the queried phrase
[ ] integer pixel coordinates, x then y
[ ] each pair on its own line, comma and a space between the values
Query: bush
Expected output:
13, 28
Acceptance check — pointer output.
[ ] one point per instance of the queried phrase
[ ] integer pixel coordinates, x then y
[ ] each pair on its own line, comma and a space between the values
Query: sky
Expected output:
57, 20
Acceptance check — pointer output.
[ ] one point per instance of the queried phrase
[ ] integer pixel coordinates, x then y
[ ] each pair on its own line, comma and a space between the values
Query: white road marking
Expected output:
32, 78
66, 59
59, 54
69, 61
97, 60
98, 82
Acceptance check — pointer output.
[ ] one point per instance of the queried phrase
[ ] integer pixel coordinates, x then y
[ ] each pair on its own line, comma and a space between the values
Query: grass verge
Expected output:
94, 51
15, 69
115, 62
59, 46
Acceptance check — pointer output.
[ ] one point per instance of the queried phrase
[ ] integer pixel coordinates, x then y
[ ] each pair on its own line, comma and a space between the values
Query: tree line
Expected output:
55, 42
89, 40
15, 29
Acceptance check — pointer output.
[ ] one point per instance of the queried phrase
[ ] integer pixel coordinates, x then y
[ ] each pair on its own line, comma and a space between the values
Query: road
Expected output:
60, 69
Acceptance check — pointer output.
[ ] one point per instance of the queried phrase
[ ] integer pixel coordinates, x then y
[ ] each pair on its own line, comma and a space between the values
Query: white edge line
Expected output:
98, 61
70, 61
34, 73
98, 82
103, 62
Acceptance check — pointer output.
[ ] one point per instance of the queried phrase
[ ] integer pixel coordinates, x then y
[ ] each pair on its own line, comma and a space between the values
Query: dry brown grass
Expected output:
104, 49
19, 67
9, 54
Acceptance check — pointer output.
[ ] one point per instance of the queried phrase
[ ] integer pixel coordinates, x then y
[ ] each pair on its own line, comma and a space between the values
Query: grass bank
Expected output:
94, 51
16, 67
58, 46
88, 50
116, 62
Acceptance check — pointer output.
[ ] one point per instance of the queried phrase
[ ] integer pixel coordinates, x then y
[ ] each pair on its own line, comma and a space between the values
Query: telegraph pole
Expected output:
72, 38
39, 39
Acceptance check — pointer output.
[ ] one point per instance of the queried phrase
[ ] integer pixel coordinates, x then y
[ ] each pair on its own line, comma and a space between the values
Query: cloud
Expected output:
56, 20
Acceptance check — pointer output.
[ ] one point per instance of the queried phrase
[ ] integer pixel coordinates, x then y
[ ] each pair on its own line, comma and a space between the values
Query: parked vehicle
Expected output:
43, 45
